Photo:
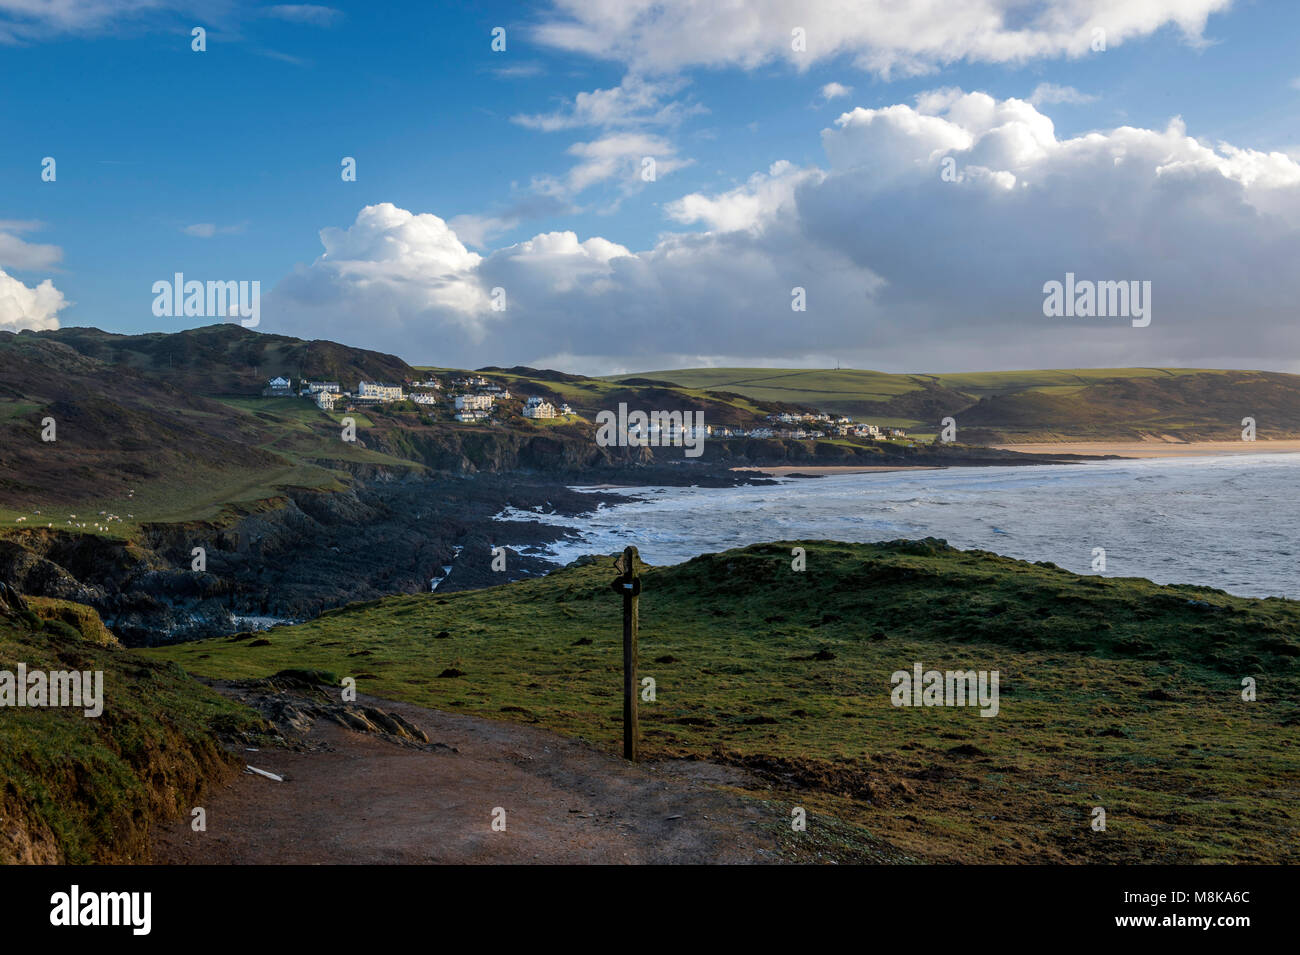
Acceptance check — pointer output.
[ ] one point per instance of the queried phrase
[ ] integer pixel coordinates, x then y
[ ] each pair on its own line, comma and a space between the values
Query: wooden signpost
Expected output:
628, 584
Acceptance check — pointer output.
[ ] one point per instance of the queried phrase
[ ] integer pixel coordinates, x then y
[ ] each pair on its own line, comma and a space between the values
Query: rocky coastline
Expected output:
311, 551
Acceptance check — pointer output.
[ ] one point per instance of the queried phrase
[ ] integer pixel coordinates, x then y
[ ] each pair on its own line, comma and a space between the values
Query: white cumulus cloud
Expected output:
749, 206
388, 267
23, 307
897, 260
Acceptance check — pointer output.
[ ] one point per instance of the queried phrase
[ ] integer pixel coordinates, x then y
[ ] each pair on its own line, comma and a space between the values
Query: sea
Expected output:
1230, 522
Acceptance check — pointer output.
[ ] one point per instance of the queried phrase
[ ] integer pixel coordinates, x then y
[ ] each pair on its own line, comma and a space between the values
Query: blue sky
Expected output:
224, 164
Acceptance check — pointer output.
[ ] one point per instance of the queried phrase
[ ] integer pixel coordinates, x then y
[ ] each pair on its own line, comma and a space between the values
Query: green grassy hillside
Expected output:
1030, 406
1115, 692
135, 446
588, 396
82, 790
227, 358
167, 428
171, 428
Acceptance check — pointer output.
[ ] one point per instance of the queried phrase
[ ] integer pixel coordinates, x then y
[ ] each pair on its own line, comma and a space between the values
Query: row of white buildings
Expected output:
841, 426
475, 406
786, 417
478, 407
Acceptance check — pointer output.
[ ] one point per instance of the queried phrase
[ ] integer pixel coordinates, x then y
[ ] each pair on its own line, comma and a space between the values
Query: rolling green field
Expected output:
1115, 693
821, 385
1009, 407
984, 383
795, 385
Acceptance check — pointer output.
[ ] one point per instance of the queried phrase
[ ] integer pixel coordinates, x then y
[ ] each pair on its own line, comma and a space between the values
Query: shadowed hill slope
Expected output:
230, 359
114, 429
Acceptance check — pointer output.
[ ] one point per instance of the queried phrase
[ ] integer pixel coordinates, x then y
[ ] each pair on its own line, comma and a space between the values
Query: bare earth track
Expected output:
363, 797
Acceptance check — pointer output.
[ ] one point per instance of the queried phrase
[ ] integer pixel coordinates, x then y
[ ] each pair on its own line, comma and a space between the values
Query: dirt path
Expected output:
364, 797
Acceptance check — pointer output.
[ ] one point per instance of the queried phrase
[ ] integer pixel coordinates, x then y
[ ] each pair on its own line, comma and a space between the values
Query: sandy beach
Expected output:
1159, 449
786, 470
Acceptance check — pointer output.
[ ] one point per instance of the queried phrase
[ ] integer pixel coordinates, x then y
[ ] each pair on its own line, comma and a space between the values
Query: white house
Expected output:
325, 399
473, 402
278, 384
422, 399
475, 414
384, 392
536, 407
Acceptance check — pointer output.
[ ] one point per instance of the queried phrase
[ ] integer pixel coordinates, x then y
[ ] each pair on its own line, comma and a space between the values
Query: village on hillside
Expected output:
477, 399
471, 399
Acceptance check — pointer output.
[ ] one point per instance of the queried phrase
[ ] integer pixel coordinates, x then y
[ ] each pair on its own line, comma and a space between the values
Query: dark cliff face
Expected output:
293, 557
571, 452
473, 450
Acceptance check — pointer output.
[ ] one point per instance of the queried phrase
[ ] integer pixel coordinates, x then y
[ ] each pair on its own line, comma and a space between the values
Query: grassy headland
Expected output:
78, 789
1115, 693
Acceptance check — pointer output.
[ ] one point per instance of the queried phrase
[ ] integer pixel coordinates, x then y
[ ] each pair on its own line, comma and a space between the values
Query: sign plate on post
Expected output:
622, 586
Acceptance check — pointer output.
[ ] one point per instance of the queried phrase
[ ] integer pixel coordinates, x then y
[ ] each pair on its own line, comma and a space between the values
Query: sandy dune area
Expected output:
1159, 449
